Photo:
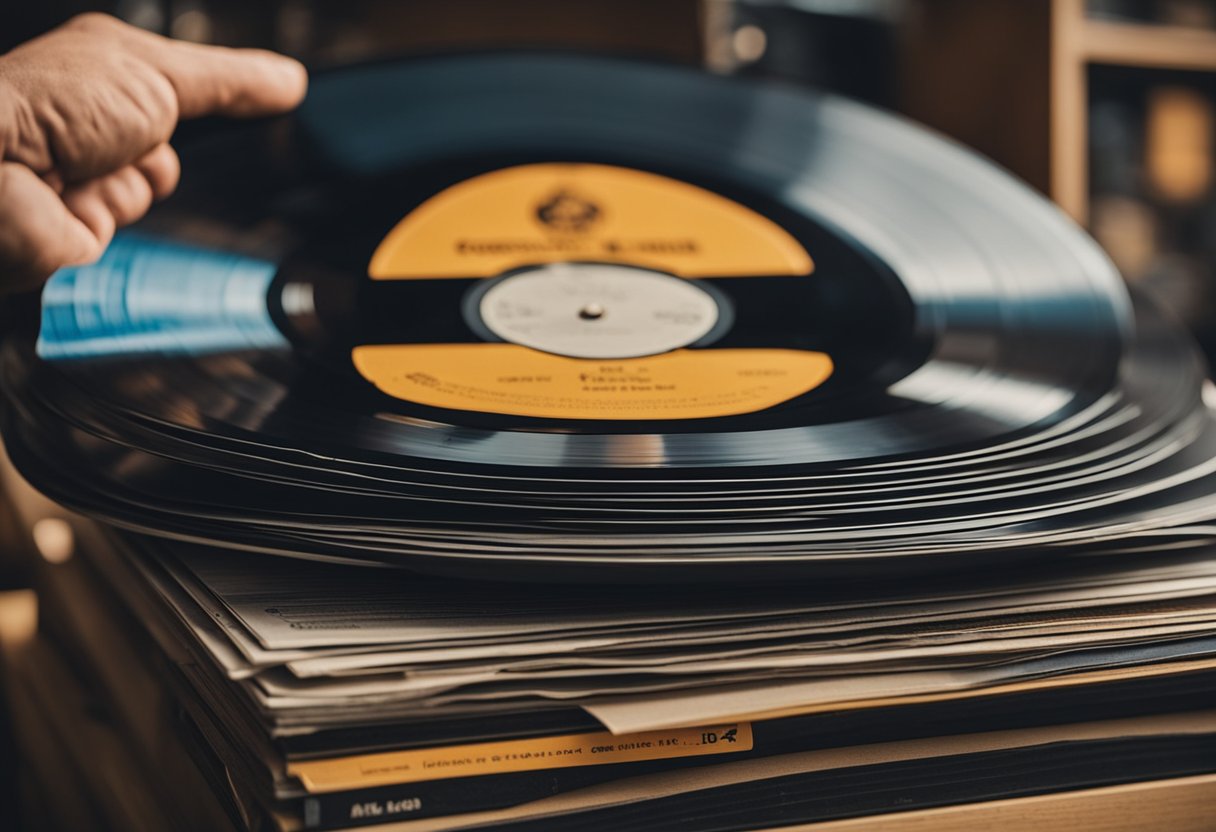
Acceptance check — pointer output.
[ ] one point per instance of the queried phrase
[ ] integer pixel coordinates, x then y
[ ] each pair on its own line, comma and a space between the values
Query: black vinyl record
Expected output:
551, 316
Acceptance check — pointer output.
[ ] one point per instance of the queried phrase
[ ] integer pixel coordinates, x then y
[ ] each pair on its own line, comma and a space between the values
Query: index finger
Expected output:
213, 79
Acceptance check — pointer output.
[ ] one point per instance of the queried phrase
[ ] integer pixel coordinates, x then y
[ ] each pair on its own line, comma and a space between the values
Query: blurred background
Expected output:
1106, 106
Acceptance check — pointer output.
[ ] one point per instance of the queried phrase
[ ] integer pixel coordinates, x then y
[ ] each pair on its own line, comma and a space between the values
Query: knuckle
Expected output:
162, 102
93, 22
142, 111
161, 171
141, 190
130, 197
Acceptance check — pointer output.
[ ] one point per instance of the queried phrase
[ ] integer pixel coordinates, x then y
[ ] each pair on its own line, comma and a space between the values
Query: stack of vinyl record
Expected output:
652, 451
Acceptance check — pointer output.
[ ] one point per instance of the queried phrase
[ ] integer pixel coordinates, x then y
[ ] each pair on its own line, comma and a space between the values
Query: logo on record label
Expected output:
566, 211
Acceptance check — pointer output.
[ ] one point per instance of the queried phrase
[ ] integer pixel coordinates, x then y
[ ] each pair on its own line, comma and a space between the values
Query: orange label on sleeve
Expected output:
567, 751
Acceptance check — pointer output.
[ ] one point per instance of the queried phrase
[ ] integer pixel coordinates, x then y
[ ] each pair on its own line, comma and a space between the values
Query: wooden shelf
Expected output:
1147, 45
1010, 78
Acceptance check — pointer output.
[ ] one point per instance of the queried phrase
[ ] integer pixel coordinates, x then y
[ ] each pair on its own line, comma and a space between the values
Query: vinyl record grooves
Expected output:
551, 317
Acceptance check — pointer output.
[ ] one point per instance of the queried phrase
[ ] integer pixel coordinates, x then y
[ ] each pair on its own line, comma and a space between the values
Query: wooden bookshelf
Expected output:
1146, 45
1010, 78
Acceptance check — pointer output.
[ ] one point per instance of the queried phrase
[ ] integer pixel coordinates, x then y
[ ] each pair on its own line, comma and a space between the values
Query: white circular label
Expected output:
598, 310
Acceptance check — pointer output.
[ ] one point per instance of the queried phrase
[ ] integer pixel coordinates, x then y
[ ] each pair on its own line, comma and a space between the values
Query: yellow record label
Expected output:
573, 225
568, 751
546, 213
515, 380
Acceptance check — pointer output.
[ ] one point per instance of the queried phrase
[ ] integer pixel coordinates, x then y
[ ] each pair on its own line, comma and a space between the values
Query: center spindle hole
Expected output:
592, 312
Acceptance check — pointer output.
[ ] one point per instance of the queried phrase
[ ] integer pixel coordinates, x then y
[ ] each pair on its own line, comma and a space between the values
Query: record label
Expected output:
594, 293
546, 213
515, 380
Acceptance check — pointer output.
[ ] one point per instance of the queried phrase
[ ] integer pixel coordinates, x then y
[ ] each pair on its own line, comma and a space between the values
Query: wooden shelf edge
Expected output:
1148, 45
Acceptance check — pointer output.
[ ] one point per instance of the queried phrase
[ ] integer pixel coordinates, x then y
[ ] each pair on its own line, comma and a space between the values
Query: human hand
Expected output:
86, 112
